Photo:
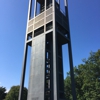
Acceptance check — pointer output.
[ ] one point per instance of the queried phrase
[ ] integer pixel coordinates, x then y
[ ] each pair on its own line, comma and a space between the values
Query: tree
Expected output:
87, 79
14, 92
2, 93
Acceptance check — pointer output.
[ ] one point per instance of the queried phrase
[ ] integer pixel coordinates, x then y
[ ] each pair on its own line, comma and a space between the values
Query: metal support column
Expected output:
23, 73
35, 8
54, 56
25, 57
70, 57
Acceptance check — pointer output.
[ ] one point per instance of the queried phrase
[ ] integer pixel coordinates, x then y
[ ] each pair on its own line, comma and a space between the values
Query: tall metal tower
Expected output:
47, 30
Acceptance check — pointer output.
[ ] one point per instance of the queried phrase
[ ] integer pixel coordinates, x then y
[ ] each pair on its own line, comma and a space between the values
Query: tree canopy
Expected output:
14, 92
2, 93
87, 79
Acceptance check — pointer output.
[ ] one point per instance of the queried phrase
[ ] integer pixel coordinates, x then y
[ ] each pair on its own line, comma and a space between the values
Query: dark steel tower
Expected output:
47, 30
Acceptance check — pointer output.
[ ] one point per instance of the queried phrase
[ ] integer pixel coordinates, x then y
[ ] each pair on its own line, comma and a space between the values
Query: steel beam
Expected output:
23, 73
70, 56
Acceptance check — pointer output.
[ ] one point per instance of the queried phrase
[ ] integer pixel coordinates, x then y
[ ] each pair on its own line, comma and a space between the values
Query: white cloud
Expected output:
7, 90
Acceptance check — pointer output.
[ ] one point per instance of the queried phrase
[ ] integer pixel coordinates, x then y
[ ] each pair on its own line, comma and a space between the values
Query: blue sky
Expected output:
84, 18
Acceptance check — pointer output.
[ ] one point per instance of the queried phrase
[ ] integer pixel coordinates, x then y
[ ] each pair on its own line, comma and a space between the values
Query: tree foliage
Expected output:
14, 92
2, 93
87, 79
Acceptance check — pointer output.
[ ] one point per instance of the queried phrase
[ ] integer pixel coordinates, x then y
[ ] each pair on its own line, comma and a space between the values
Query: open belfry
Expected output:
47, 31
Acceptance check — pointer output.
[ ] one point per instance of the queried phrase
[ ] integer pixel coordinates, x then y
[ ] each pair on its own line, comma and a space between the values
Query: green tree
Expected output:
87, 79
2, 93
14, 92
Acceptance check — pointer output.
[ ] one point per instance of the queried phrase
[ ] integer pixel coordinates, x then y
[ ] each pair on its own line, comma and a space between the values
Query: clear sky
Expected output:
84, 18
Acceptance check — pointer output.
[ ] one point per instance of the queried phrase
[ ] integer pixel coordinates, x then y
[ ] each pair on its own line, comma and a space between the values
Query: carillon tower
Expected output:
47, 31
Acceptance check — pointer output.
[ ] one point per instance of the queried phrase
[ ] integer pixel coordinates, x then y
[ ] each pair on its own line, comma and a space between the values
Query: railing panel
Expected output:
38, 24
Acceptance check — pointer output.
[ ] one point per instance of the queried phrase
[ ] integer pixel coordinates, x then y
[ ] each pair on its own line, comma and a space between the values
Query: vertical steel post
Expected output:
23, 72
35, 8
54, 56
70, 57
45, 16
24, 59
